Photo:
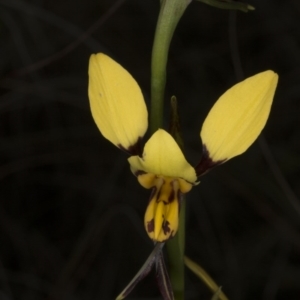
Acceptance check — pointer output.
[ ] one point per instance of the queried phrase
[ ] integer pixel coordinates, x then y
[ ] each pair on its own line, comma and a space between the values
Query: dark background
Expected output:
71, 213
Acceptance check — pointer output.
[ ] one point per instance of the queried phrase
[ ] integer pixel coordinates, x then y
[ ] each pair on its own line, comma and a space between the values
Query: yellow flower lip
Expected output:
117, 103
161, 217
238, 117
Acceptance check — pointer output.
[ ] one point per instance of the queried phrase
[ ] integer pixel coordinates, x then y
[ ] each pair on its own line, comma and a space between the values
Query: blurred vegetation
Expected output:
71, 213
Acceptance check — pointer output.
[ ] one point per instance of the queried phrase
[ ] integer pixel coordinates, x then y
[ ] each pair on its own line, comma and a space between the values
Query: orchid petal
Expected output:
116, 101
238, 117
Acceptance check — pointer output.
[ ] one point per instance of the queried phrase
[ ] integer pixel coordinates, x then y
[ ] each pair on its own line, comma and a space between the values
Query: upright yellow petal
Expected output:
162, 156
238, 117
116, 101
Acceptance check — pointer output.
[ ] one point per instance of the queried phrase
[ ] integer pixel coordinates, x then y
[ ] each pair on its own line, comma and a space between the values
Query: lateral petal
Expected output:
238, 117
162, 156
116, 101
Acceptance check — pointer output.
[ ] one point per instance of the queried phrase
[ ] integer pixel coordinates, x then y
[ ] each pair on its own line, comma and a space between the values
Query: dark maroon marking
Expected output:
152, 193
158, 195
206, 163
134, 149
150, 226
139, 172
171, 196
165, 227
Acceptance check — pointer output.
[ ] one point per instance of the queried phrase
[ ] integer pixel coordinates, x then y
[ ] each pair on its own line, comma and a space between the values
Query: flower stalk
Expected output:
176, 245
175, 250
169, 16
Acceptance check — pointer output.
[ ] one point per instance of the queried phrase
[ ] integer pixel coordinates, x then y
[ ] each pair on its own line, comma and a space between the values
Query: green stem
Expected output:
169, 16
175, 246
175, 250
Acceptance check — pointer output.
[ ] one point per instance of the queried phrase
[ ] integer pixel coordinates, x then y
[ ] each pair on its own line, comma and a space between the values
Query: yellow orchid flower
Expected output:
232, 125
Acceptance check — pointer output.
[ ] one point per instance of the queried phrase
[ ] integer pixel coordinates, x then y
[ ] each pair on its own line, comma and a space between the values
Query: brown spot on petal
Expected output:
171, 196
158, 196
153, 192
206, 163
150, 226
165, 227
